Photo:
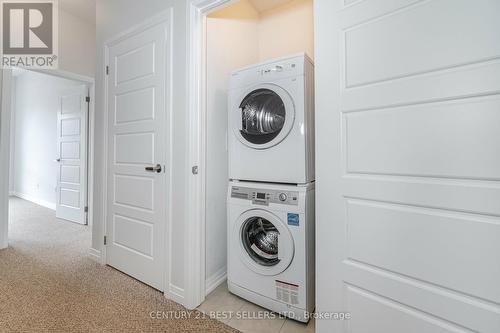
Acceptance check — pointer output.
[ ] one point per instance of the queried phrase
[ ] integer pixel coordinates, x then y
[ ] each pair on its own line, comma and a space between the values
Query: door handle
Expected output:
156, 168
57, 160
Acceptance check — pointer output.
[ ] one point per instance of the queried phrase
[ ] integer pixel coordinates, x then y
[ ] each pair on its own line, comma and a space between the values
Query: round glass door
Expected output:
267, 115
266, 243
260, 240
263, 116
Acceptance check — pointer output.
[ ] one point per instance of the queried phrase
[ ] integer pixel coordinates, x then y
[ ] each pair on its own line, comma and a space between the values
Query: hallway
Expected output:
48, 283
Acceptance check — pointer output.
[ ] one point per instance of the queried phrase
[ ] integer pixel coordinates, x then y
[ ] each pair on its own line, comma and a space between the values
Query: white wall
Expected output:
113, 17
77, 44
34, 145
12, 170
287, 29
4, 157
232, 34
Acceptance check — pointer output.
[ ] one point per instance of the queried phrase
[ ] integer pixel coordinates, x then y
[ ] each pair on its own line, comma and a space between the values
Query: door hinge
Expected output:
105, 240
86, 209
87, 99
107, 70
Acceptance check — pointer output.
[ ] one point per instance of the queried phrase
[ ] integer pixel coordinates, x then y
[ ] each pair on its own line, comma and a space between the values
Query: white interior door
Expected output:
408, 165
137, 155
72, 155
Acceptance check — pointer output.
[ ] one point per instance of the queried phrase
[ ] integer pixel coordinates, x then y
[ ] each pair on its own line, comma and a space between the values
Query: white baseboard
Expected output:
95, 255
215, 280
34, 200
176, 294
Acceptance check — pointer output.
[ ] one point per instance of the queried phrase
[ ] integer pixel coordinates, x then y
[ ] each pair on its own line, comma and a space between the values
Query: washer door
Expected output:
265, 117
266, 244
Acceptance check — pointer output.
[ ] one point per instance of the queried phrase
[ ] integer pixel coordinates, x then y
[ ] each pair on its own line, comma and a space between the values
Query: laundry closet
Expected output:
243, 34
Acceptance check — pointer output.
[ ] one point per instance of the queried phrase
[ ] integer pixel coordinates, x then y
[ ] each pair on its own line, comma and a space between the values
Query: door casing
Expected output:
194, 249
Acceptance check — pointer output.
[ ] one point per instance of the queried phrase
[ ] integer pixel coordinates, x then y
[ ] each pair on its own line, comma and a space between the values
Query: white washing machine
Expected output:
271, 122
271, 246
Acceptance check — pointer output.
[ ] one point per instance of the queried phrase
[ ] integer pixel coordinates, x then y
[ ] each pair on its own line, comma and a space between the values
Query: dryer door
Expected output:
266, 244
265, 116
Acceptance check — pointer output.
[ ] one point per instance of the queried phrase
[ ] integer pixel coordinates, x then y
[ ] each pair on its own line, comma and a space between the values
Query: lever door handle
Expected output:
57, 160
156, 168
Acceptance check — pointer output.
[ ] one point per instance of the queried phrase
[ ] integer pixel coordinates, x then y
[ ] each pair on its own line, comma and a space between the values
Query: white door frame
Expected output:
195, 244
5, 145
165, 16
5, 84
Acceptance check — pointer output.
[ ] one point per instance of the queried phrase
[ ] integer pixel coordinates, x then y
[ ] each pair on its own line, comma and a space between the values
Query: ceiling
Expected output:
263, 5
83, 9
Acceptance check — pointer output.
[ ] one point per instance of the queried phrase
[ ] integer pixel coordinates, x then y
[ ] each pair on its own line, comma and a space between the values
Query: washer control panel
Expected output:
264, 197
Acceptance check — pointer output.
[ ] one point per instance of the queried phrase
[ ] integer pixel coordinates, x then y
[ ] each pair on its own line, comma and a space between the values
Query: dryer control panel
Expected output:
264, 197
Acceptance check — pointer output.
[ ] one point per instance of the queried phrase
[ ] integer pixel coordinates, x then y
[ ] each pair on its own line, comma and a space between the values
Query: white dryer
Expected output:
271, 246
271, 122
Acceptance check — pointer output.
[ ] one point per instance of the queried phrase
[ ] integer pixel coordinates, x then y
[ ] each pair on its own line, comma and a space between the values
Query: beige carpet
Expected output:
49, 284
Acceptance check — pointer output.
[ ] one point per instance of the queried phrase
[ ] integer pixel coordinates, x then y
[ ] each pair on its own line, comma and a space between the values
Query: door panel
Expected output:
142, 196
133, 234
381, 234
431, 135
366, 306
136, 212
135, 106
135, 148
137, 62
70, 174
397, 49
72, 151
408, 185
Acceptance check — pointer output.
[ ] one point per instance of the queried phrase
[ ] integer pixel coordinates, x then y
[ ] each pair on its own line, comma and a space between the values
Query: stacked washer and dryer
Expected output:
271, 187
